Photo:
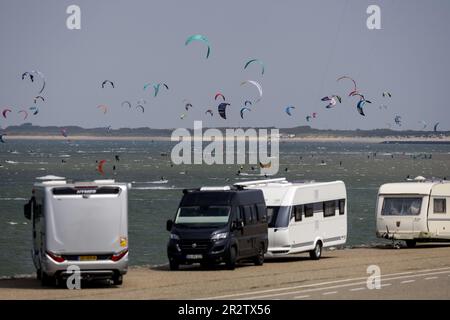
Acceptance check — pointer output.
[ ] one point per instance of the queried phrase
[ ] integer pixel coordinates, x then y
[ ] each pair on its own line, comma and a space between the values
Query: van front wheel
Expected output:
231, 261
259, 259
174, 265
316, 253
47, 280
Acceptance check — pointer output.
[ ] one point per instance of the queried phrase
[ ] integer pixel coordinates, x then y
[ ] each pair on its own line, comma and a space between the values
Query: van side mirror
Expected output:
27, 210
169, 225
237, 225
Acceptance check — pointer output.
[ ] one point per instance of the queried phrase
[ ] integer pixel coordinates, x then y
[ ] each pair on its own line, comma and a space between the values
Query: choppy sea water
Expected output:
363, 167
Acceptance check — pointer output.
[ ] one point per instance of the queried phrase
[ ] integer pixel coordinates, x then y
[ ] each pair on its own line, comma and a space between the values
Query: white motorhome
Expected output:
414, 211
303, 216
82, 225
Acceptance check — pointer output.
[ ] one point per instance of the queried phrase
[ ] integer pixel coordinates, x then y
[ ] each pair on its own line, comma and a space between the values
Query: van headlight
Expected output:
219, 236
174, 236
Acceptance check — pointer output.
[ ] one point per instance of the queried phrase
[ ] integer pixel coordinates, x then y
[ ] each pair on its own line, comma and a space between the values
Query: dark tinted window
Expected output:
85, 190
298, 212
248, 213
278, 217
309, 210
241, 214
342, 206
254, 213
329, 208
272, 214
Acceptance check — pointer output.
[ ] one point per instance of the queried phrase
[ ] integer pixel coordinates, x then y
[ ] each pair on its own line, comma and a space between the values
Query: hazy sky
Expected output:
305, 45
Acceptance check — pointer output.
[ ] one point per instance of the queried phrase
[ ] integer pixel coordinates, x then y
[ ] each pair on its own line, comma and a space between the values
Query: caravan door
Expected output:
439, 213
278, 218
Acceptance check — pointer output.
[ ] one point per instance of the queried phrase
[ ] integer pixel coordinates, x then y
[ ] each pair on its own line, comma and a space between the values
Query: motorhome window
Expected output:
439, 206
298, 211
342, 206
278, 217
309, 210
217, 215
108, 190
85, 190
329, 208
401, 206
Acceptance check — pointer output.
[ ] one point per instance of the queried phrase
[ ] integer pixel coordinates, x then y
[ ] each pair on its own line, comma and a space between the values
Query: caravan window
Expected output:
401, 206
278, 217
329, 208
439, 206
272, 213
342, 206
298, 211
309, 210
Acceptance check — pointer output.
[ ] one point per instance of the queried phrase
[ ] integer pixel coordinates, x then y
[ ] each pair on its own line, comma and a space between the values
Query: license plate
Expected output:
88, 258
194, 256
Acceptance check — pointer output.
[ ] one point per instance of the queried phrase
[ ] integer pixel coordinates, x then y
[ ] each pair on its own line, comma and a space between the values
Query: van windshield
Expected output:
278, 217
203, 215
401, 206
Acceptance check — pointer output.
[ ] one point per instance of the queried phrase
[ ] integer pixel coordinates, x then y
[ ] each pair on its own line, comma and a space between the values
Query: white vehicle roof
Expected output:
50, 181
422, 188
279, 192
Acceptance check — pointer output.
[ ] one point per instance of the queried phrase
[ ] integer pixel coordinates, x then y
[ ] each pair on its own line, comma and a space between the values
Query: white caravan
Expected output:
81, 225
303, 216
414, 211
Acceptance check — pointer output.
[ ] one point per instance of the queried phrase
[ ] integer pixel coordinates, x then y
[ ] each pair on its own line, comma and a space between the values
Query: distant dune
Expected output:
301, 133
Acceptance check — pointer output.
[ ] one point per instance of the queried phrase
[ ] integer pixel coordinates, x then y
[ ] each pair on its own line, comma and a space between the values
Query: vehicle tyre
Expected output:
410, 243
174, 265
118, 280
259, 259
61, 283
47, 280
316, 253
231, 261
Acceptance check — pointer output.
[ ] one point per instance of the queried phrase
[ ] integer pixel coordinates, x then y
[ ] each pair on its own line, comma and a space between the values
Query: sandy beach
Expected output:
422, 272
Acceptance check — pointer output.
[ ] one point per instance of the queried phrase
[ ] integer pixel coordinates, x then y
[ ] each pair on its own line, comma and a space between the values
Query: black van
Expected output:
215, 226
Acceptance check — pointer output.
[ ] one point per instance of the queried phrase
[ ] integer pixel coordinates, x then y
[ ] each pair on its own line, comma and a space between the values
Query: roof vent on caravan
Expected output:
261, 182
104, 181
224, 188
423, 179
51, 179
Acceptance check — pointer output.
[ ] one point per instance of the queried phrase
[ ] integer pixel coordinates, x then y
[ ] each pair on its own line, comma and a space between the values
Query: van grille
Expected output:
194, 245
